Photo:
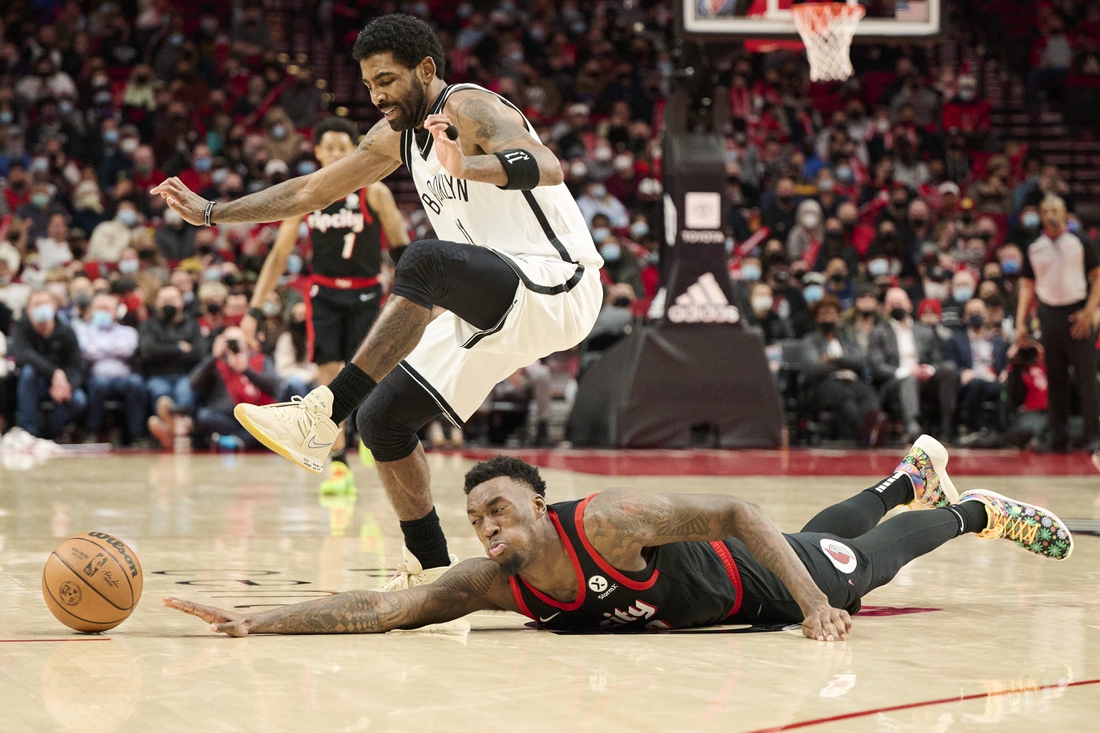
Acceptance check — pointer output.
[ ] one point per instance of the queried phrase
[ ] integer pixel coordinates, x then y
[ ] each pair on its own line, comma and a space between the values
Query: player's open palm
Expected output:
183, 200
826, 623
221, 622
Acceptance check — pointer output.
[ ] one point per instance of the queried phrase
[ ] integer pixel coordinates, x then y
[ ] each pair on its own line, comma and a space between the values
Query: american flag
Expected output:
911, 10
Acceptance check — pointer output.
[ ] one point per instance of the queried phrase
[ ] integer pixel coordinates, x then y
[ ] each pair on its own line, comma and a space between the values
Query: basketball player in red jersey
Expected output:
621, 560
345, 296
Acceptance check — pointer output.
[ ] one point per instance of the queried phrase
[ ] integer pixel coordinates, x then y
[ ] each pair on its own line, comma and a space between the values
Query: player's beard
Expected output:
411, 110
513, 564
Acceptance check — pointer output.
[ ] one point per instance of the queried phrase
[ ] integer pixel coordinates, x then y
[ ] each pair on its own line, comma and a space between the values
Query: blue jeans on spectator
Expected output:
208, 422
176, 386
131, 390
33, 390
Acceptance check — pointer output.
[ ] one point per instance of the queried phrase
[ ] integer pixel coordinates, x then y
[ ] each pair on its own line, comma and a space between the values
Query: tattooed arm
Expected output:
377, 156
486, 126
472, 585
621, 523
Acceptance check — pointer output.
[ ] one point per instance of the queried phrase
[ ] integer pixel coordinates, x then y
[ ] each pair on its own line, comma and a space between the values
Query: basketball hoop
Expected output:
827, 30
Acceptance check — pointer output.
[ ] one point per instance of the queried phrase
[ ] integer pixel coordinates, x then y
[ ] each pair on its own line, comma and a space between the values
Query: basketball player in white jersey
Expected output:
514, 276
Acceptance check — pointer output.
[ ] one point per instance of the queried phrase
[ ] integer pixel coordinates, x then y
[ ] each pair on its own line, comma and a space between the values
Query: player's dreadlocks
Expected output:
409, 39
513, 468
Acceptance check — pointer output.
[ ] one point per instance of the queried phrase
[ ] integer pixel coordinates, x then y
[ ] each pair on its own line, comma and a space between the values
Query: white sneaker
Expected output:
301, 430
411, 573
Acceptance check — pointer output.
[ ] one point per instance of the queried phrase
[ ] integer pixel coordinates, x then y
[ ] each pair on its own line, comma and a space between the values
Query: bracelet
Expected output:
257, 314
209, 209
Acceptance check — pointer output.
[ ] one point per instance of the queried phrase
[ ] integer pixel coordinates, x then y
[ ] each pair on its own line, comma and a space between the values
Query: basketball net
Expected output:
827, 30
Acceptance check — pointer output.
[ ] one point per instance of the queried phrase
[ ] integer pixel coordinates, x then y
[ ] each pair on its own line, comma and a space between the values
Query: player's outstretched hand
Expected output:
221, 622
183, 200
826, 623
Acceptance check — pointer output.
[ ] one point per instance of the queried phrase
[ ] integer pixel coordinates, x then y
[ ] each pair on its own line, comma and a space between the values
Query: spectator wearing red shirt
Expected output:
146, 173
198, 176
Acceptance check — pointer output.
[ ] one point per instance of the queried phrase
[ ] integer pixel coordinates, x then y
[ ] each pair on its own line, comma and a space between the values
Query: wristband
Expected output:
521, 168
256, 313
209, 209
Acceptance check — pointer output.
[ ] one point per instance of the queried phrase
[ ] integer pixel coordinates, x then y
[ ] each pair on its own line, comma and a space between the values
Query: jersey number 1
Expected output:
349, 245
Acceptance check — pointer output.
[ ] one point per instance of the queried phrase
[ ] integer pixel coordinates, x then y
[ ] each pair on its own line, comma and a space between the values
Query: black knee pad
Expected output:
391, 415
419, 276
388, 440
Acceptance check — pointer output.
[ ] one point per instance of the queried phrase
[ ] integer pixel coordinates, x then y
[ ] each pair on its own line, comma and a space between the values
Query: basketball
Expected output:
92, 582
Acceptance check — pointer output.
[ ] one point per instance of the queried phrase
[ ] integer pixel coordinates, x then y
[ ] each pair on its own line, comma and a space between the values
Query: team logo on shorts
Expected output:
839, 555
597, 583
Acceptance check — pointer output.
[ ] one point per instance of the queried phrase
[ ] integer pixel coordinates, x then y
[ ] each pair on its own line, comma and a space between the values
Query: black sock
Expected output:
425, 540
349, 389
894, 491
342, 456
972, 516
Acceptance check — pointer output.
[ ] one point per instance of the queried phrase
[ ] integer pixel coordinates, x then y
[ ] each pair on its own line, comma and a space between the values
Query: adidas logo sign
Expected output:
703, 302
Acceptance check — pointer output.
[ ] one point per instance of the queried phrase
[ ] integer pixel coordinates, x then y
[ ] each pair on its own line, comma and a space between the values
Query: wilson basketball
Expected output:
92, 582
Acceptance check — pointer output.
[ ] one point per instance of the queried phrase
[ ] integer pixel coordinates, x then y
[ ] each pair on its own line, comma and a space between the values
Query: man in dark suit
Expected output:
981, 356
907, 358
833, 366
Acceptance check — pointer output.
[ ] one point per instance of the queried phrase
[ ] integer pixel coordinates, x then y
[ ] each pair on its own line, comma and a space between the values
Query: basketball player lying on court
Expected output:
627, 561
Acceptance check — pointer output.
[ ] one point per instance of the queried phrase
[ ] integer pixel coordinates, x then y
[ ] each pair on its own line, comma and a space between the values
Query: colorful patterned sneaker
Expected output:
340, 480
1031, 527
411, 573
926, 464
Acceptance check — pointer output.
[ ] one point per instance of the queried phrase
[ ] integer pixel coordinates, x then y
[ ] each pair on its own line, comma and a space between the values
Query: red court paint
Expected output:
809, 462
875, 611
51, 641
926, 703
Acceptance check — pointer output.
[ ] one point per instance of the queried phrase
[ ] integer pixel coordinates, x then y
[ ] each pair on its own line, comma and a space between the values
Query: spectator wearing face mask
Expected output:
962, 290
838, 284
858, 323
813, 288
780, 214
856, 234
170, 344
835, 245
808, 231
110, 238
887, 254
620, 264
967, 113
833, 367
596, 200
281, 140
113, 162
907, 358
1027, 227
50, 367
38, 209
108, 348
198, 176
212, 297
981, 356
765, 317
788, 302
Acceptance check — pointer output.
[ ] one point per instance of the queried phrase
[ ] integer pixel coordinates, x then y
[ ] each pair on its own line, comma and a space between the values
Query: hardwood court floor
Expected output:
1000, 639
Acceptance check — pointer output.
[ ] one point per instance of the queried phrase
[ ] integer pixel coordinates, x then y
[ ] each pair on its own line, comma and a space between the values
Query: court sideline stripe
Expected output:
57, 641
926, 703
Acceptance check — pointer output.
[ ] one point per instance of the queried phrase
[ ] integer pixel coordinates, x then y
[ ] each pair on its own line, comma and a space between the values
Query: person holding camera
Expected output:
234, 374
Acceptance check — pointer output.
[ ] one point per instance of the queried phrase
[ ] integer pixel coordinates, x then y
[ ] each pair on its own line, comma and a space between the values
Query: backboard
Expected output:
713, 19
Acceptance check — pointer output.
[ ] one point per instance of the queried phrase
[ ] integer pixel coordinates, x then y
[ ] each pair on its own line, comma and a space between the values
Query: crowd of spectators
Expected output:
880, 221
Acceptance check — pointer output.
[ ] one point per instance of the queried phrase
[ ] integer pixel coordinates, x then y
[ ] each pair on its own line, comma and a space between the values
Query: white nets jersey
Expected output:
542, 234
543, 221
